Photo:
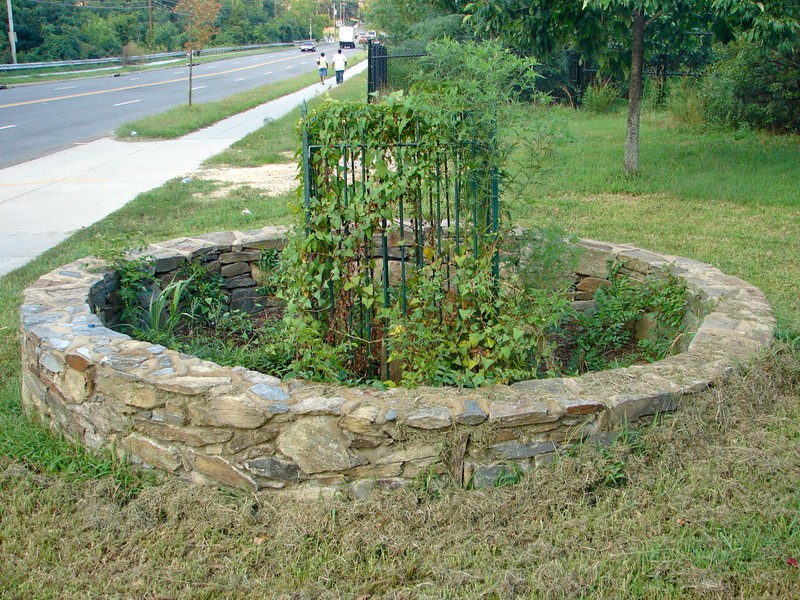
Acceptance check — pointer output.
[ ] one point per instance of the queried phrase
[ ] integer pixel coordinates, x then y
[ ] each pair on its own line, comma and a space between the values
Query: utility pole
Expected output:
12, 35
150, 19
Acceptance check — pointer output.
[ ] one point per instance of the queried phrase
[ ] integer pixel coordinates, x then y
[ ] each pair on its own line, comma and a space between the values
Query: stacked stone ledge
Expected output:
234, 427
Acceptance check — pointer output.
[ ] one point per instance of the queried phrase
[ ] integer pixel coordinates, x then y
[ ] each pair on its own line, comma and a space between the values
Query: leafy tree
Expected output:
200, 17
771, 24
542, 26
424, 20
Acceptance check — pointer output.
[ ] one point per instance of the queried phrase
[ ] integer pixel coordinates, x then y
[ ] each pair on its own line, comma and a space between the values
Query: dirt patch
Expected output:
273, 179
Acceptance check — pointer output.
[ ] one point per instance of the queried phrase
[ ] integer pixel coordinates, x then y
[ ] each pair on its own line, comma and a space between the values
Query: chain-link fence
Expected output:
565, 76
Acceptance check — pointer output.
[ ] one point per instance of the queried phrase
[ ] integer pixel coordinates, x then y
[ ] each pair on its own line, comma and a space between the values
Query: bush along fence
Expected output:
234, 427
566, 75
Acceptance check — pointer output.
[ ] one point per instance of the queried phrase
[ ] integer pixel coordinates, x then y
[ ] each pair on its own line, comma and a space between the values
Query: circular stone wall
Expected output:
234, 427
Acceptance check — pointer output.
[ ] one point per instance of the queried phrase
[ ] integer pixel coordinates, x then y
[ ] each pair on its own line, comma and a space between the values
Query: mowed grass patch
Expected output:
702, 503
278, 142
708, 508
184, 119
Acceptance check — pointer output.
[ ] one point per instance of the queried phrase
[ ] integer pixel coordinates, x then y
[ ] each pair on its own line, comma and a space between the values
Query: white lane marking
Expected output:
240, 79
268, 73
128, 102
287, 68
237, 62
135, 78
66, 87
7, 126
199, 87
212, 66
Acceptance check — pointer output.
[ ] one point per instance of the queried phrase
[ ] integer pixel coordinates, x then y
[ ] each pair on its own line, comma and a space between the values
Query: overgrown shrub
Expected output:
601, 97
605, 334
756, 88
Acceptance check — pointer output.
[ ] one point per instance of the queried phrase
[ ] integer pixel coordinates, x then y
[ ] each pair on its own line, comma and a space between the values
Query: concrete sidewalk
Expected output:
44, 201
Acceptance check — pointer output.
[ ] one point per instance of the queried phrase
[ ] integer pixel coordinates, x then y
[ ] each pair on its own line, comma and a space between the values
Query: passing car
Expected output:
307, 46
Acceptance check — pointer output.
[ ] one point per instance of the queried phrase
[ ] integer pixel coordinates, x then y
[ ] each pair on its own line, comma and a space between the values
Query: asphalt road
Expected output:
39, 119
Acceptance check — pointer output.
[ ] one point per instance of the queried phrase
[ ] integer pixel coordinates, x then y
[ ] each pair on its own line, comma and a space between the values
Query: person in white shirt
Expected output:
339, 63
323, 68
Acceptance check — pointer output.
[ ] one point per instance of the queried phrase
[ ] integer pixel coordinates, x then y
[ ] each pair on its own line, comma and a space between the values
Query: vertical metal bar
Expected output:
403, 299
306, 166
495, 226
473, 189
457, 201
385, 252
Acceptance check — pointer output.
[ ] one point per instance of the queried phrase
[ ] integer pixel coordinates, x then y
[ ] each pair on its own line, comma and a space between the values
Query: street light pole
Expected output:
12, 35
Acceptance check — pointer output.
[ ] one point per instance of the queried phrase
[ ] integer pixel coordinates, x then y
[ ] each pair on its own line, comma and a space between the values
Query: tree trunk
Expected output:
635, 94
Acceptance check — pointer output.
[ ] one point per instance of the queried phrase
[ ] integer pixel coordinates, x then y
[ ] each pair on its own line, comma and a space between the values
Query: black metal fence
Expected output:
401, 205
565, 76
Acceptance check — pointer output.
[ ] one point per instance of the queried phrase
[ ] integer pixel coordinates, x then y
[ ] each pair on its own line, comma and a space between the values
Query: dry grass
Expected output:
708, 508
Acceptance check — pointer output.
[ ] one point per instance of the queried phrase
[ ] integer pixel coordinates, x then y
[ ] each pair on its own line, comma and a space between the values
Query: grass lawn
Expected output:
184, 119
703, 503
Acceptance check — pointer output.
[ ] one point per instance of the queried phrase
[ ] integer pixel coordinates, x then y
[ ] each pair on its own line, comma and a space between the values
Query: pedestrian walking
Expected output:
323, 67
339, 63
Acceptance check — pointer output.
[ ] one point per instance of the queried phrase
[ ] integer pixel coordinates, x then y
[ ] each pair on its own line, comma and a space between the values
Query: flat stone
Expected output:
247, 299
220, 470
627, 409
521, 412
590, 284
252, 437
190, 385
166, 261
545, 387
77, 386
367, 441
581, 406
375, 471
229, 411
473, 414
52, 362
273, 236
362, 421
240, 281
192, 436
316, 444
273, 468
194, 246
319, 405
122, 362
270, 392
520, 450
109, 383
594, 259
79, 359
220, 239
151, 452
171, 414
234, 269
642, 261
389, 455
436, 417
484, 476
238, 257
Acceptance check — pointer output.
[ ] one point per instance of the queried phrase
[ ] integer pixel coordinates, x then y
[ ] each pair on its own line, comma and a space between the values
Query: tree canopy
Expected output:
600, 27
79, 30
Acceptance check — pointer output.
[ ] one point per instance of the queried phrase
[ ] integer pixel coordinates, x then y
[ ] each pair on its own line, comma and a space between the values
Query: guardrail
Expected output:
131, 59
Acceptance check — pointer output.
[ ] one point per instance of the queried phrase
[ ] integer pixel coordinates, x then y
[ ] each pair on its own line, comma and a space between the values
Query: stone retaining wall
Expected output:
235, 427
